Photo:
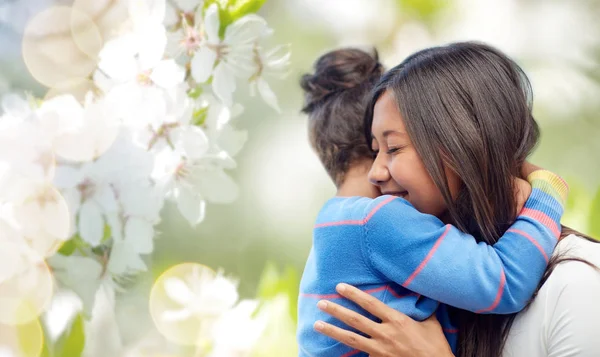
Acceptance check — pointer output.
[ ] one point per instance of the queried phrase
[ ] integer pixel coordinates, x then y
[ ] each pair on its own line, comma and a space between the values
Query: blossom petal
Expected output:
55, 217
188, 5
171, 15
203, 63
67, 177
224, 83
152, 45
211, 24
232, 140
267, 94
125, 258
194, 142
176, 315
218, 187
91, 223
105, 197
178, 291
191, 206
15, 105
167, 74
245, 30
140, 233
117, 59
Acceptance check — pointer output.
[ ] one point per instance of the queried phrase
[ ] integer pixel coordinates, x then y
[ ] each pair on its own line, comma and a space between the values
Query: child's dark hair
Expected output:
336, 96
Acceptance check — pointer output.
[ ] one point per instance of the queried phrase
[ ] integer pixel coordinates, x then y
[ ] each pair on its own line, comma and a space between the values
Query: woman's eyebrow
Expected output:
389, 132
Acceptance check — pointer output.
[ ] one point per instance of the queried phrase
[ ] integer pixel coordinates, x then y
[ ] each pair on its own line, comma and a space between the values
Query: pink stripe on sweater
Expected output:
351, 353
530, 238
357, 222
427, 258
542, 218
498, 294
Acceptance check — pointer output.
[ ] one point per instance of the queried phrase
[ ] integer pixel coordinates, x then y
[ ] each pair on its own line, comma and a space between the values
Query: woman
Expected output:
475, 92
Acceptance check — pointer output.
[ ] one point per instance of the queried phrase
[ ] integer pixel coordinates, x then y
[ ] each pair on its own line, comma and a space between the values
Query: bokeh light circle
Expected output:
44, 218
109, 15
185, 331
60, 44
24, 340
77, 87
26, 294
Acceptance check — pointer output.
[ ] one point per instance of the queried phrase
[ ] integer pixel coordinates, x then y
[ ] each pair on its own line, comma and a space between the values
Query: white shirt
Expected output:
564, 318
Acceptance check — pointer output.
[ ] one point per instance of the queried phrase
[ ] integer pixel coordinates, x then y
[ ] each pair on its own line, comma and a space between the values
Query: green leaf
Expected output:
68, 247
232, 10
267, 286
424, 9
107, 234
291, 284
240, 8
195, 92
72, 341
594, 216
199, 116
31, 339
272, 284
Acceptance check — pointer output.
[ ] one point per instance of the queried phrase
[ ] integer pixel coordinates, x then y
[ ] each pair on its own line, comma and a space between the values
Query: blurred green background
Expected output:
282, 185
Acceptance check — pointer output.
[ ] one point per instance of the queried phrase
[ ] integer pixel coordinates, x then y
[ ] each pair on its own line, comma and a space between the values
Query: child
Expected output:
410, 260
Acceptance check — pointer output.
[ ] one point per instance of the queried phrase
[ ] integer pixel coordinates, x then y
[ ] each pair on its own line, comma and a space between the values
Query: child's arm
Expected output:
438, 261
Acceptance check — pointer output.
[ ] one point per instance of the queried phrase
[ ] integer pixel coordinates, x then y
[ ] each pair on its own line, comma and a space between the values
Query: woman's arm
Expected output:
396, 336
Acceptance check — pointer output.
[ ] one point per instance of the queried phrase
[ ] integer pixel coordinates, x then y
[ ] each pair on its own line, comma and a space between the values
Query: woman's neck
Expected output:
356, 182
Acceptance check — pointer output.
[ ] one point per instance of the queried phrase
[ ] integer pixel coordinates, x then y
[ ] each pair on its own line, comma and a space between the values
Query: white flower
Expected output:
133, 227
132, 70
79, 133
24, 277
221, 134
25, 149
192, 182
175, 131
273, 63
236, 332
91, 189
201, 294
185, 16
180, 10
234, 53
43, 216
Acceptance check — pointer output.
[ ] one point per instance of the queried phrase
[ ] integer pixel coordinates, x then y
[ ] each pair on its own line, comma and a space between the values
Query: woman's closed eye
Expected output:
393, 150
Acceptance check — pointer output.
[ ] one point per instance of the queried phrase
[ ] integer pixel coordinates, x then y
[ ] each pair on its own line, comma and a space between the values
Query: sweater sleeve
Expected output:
422, 254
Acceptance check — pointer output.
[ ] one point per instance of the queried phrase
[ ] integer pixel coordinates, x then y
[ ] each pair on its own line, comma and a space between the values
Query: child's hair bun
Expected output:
338, 71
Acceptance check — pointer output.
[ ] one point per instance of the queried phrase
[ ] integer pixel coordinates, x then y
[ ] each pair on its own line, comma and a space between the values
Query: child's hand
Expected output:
522, 191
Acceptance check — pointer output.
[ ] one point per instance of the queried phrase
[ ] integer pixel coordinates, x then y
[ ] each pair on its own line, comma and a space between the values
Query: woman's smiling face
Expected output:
398, 169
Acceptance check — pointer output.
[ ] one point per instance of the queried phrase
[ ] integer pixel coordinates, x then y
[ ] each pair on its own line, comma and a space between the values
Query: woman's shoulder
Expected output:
580, 265
558, 322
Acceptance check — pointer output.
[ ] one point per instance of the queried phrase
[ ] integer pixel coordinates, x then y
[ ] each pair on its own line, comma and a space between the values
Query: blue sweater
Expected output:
413, 262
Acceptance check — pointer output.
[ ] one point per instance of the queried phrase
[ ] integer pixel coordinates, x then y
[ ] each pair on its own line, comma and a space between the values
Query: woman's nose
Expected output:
379, 172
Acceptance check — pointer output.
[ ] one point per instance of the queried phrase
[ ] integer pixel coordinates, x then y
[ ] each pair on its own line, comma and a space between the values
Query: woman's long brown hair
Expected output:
467, 106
